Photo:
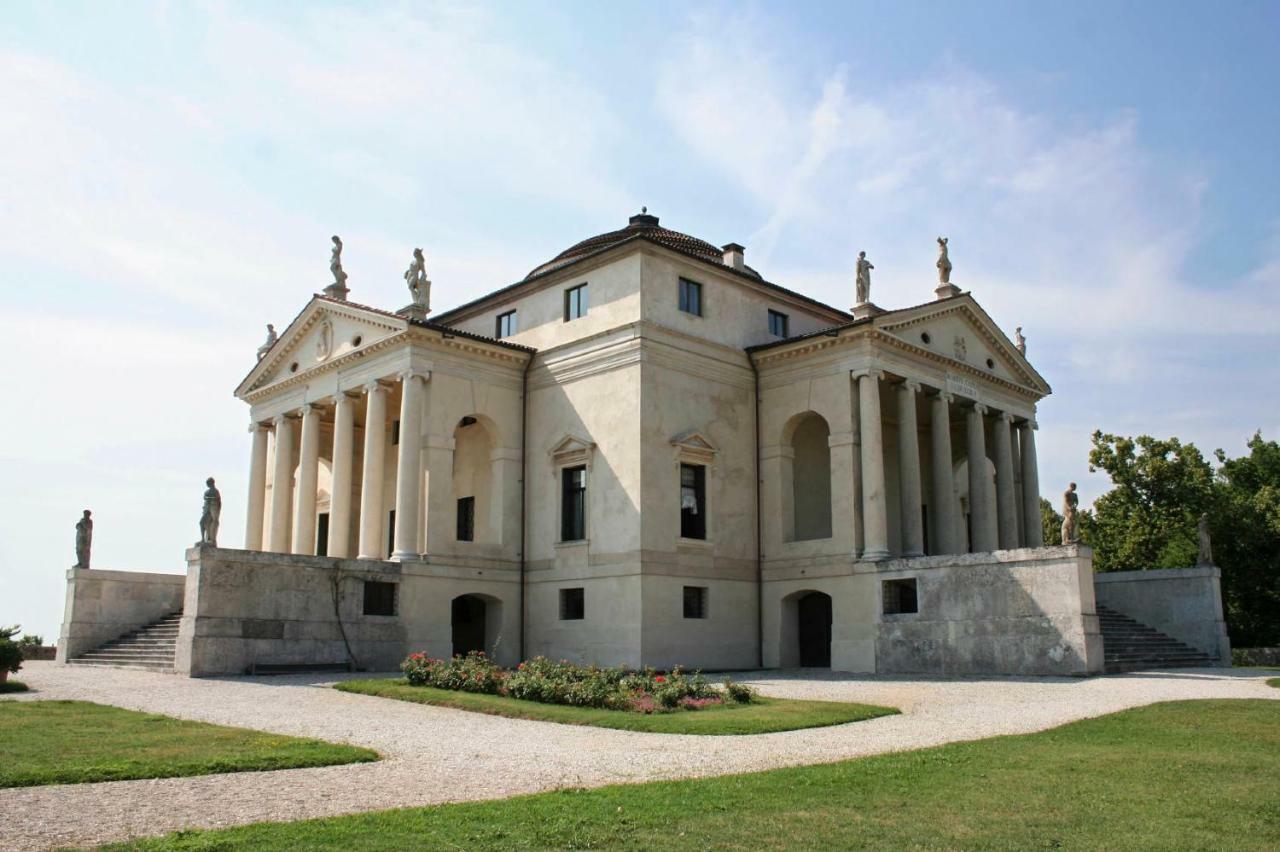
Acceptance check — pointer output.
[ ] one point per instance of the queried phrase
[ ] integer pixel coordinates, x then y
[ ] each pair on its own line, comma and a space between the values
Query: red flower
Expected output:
659, 679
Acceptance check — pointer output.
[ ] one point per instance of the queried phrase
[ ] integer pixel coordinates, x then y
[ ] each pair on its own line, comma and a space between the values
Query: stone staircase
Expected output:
151, 647
1130, 646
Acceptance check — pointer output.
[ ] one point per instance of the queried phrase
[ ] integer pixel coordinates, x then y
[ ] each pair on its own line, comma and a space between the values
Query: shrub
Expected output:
739, 692
10, 653
31, 640
472, 673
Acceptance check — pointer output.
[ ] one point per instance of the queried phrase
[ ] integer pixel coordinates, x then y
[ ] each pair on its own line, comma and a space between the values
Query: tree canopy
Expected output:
1160, 487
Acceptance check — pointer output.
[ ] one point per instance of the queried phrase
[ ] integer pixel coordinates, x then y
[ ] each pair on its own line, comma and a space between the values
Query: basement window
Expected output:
900, 597
695, 601
573, 604
379, 598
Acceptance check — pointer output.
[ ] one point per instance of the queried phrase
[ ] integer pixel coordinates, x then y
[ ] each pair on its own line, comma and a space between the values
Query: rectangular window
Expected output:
693, 501
900, 597
573, 605
322, 534
395, 432
466, 519
691, 297
573, 506
575, 302
379, 598
506, 325
695, 601
778, 324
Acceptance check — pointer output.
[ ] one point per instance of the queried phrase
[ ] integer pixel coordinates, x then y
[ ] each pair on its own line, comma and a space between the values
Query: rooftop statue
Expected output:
419, 285
1205, 558
1019, 340
271, 341
944, 262
210, 514
863, 281
335, 263
84, 539
1070, 516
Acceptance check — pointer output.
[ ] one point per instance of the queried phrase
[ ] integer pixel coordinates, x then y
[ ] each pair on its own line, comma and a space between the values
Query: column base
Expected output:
406, 556
875, 555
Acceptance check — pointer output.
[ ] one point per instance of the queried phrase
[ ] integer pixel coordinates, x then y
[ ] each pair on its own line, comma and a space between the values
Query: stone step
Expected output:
109, 655
152, 647
155, 667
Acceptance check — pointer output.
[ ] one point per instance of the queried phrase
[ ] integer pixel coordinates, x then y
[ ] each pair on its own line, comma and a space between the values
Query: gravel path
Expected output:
434, 755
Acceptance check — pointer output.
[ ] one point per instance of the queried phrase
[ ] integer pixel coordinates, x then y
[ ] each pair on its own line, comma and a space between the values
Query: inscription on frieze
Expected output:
958, 385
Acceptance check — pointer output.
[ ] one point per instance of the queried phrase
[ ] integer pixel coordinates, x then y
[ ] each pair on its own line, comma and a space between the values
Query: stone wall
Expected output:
1185, 603
102, 605
245, 609
1012, 612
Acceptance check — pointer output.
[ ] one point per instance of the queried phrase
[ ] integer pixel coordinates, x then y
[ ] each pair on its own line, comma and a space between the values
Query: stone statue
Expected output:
419, 285
1205, 558
1019, 340
863, 280
210, 515
335, 263
271, 341
84, 539
944, 262
1070, 516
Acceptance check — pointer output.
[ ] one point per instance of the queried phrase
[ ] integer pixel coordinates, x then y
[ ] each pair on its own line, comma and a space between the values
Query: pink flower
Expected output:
659, 679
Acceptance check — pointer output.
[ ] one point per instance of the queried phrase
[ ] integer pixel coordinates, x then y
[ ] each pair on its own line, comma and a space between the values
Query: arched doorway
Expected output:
814, 630
468, 622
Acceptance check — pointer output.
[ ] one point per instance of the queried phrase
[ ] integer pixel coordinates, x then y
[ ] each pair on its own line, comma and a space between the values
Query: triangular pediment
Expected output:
960, 331
324, 332
570, 444
694, 441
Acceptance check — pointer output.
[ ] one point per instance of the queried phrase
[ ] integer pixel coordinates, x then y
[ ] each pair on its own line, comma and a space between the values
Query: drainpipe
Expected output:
524, 469
755, 372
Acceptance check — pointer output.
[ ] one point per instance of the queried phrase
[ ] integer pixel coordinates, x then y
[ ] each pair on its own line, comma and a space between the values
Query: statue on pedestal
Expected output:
1019, 340
338, 289
84, 539
863, 279
1205, 558
210, 515
271, 341
1070, 516
419, 285
944, 262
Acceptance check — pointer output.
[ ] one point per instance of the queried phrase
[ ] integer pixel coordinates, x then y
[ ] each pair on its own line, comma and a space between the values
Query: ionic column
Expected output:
409, 468
875, 518
943, 504
257, 488
1006, 496
281, 486
344, 419
1031, 486
982, 523
375, 453
304, 513
909, 470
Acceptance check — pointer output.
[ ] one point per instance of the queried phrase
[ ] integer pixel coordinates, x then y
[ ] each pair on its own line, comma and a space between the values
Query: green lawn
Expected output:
1179, 775
765, 715
69, 742
1275, 681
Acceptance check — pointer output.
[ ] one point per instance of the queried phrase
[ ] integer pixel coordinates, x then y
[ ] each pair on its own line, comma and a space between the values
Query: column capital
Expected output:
257, 426
342, 397
980, 408
309, 408
1006, 417
910, 385
1030, 423
280, 419
375, 385
406, 375
873, 372
944, 396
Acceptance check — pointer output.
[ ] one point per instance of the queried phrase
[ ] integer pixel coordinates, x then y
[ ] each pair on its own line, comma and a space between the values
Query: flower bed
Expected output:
550, 682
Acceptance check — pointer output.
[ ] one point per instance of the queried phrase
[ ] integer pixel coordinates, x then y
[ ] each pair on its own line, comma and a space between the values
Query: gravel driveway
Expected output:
434, 755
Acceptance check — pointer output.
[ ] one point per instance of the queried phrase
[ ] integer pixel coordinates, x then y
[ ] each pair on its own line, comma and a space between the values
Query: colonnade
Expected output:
291, 524
1010, 526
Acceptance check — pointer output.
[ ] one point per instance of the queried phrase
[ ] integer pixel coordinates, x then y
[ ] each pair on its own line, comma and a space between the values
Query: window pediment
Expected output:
572, 449
693, 446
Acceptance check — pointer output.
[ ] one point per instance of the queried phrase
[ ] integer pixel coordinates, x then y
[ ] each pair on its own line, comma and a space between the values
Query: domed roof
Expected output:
642, 225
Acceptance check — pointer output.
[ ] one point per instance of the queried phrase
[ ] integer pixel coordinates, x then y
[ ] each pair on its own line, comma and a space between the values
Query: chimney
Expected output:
734, 256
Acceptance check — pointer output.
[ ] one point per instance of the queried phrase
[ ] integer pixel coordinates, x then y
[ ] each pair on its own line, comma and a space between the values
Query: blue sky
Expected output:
1106, 173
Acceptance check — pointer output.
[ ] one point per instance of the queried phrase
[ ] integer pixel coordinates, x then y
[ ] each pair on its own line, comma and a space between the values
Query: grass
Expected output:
1275, 681
71, 742
1179, 775
13, 686
765, 715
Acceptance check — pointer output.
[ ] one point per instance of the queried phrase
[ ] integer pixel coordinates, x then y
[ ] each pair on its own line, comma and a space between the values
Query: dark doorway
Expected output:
322, 534
468, 625
815, 630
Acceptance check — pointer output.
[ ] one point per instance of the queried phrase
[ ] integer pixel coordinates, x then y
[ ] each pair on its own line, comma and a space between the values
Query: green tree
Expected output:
1051, 522
1148, 518
1245, 528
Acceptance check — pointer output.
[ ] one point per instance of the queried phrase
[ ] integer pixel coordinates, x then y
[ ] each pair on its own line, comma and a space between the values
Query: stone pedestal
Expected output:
946, 291
416, 312
337, 291
865, 310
